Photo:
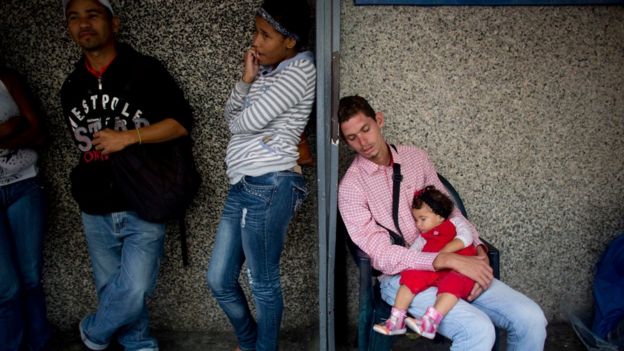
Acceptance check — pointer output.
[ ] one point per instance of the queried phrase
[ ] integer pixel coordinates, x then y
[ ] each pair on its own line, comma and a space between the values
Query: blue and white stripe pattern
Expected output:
266, 118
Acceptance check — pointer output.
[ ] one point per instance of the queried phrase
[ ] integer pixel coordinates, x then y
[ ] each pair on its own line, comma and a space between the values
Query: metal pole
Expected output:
327, 42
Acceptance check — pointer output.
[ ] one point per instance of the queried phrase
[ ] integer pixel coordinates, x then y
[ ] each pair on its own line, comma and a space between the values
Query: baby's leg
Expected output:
395, 324
412, 281
446, 299
427, 325
404, 298
445, 302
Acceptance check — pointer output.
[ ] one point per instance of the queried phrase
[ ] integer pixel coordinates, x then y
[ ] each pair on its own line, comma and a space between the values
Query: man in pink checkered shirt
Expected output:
365, 202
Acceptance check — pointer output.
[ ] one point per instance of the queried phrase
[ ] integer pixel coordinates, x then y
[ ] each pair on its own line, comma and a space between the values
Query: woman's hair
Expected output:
294, 15
439, 203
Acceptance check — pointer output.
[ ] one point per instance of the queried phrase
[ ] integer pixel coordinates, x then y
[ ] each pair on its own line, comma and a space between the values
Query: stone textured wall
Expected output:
202, 44
522, 109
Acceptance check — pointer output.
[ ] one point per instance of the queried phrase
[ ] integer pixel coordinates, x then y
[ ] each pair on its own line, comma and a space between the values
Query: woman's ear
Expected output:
291, 43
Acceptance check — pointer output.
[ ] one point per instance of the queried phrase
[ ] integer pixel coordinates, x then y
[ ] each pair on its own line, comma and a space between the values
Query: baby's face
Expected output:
425, 218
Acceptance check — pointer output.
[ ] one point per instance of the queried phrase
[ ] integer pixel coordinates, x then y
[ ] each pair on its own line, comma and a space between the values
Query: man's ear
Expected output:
116, 24
380, 119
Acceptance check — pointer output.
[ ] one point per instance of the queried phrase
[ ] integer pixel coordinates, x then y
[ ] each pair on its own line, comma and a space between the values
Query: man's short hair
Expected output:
350, 106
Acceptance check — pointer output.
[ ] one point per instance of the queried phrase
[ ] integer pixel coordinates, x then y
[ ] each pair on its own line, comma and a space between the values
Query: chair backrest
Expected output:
357, 254
454, 195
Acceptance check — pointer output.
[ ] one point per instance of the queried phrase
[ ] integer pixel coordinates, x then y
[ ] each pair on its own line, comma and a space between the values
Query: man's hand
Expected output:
475, 292
474, 267
108, 141
481, 252
477, 289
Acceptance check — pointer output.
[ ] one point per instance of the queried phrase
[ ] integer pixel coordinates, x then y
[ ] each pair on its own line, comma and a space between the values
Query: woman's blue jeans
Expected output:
23, 318
125, 255
252, 229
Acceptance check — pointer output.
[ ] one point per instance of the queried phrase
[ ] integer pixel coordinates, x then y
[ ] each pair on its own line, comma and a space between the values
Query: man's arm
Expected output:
373, 239
109, 141
463, 239
477, 289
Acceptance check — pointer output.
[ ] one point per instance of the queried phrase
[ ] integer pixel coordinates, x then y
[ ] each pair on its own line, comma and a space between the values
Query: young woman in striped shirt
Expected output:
266, 113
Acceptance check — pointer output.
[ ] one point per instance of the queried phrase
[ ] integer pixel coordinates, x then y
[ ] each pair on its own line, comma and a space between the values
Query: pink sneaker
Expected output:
427, 325
394, 325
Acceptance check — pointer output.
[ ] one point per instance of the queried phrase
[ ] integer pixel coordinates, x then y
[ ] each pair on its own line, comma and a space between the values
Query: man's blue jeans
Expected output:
253, 228
23, 318
470, 326
125, 255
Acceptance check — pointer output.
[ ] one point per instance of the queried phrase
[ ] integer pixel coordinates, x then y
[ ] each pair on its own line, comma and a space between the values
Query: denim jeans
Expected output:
252, 229
125, 255
23, 318
470, 326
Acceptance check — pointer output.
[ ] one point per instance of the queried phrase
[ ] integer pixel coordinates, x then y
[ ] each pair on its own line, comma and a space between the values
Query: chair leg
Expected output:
364, 328
379, 342
365, 322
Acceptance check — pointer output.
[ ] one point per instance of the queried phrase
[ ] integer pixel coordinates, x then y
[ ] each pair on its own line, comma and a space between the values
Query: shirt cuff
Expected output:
242, 87
423, 261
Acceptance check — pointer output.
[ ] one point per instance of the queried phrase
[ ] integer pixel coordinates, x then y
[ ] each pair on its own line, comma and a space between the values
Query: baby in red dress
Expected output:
430, 209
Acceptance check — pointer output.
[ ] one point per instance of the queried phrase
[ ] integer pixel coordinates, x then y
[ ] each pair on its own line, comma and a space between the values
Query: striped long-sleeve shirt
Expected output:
266, 118
365, 199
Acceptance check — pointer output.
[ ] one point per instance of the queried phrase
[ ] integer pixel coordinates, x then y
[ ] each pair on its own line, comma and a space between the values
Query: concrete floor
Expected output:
560, 338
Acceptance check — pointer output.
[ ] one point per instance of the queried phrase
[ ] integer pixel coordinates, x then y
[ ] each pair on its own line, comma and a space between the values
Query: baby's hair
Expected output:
439, 203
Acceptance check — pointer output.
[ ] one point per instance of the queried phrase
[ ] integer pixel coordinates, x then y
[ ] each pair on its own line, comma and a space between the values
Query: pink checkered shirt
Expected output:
365, 199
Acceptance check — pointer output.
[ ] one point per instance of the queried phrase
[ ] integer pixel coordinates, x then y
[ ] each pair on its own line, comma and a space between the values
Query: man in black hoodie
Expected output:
116, 98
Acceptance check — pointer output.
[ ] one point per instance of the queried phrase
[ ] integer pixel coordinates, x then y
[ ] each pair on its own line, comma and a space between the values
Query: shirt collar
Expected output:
95, 72
370, 167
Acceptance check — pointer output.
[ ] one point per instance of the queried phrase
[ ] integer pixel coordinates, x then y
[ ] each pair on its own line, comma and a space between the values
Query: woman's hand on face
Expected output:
251, 66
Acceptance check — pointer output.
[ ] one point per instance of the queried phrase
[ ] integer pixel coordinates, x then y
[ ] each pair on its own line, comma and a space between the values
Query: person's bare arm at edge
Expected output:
109, 141
476, 268
24, 130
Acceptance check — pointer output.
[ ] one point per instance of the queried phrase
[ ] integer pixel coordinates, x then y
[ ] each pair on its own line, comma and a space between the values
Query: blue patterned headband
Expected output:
275, 24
